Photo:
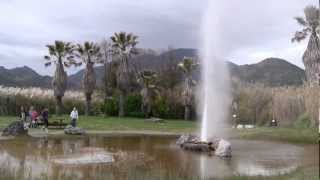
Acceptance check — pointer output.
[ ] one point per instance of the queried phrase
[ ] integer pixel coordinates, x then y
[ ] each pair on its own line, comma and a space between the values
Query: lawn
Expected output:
122, 124
291, 135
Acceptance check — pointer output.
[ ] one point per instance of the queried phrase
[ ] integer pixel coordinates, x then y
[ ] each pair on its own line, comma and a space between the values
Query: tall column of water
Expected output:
215, 76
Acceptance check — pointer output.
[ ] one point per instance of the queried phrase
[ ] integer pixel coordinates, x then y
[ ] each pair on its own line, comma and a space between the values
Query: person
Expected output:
45, 116
28, 117
34, 115
74, 117
23, 114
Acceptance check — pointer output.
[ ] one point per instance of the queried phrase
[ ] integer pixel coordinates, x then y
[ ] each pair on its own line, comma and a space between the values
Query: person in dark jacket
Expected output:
45, 116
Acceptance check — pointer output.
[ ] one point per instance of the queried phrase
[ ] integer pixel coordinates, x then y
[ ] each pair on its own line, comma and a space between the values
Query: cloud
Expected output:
250, 29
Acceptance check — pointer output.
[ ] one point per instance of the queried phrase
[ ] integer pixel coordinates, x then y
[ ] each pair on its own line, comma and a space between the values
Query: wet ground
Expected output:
145, 157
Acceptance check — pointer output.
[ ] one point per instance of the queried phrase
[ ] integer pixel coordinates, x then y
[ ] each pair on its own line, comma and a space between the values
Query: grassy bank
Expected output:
121, 124
308, 173
291, 135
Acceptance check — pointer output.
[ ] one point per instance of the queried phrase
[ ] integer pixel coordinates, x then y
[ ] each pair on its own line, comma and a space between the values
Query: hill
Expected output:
271, 71
23, 77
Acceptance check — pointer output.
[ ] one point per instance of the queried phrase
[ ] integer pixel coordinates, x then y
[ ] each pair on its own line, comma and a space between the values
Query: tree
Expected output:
149, 90
89, 54
124, 45
110, 68
187, 66
62, 55
311, 57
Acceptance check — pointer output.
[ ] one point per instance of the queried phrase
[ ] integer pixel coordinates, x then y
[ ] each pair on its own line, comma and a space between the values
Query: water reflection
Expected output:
144, 157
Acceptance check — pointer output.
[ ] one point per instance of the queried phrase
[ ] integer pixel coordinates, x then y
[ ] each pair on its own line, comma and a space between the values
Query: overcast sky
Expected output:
252, 29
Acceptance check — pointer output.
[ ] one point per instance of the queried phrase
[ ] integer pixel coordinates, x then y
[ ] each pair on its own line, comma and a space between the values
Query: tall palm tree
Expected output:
149, 90
311, 57
187, 66
61, 55
124, 45
89, 54
110, 67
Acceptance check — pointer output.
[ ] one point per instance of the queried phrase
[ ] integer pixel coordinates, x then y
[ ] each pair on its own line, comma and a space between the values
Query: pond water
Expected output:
145, 157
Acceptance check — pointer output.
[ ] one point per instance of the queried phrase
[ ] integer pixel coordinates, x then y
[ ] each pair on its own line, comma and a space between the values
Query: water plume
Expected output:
215, 76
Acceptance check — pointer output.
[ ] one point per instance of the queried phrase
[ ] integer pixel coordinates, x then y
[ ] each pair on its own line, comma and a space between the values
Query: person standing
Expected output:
23, 114
74, 117
45, 116
34, 115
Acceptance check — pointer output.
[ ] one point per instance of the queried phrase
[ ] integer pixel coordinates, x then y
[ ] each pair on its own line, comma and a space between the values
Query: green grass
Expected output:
306, 173
291, 135
122, 124
5, 120
115, 123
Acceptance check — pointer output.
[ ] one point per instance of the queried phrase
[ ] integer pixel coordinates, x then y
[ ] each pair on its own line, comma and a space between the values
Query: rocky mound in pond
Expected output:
74, 130
85, 156
16, 128
220, 147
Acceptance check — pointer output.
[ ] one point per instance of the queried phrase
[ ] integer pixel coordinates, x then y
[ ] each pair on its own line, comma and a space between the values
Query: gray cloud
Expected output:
250, 30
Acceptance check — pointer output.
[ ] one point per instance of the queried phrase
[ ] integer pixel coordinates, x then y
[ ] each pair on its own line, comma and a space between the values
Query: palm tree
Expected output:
60, 54
311, 57
187, 66
110, 67
89, 54
124, 46
149, 90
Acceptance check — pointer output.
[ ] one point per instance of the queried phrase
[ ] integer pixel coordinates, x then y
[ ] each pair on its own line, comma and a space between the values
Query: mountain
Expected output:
271, 71
23, 77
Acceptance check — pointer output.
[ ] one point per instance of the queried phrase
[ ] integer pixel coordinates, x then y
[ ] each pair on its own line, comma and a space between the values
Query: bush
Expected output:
111, 107
302, 122
161, 108
133, 103
136, 114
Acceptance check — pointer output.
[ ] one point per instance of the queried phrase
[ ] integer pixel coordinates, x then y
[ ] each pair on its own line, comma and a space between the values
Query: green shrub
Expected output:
161, 108
303, 121
133, 103
111, 107
136, 114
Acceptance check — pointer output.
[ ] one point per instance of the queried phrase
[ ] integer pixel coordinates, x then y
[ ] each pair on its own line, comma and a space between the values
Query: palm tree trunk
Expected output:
58, 105
88, 104
121, 104
105, 86
148, 110
187, 112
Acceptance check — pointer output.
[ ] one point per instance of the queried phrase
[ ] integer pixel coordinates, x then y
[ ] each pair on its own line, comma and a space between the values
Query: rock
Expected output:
85, 156
74, 130
155, 120
223, 149
193, 143
201, 147
249, 126
16, 128
240, 126
187, 138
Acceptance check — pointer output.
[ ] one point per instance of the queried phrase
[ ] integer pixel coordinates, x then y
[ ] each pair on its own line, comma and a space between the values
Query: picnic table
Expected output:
56, 123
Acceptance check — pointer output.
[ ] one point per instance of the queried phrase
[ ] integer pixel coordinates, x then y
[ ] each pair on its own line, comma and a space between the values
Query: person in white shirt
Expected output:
74, 117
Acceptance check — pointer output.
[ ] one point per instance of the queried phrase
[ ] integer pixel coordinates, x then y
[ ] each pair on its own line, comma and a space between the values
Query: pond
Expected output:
145, 157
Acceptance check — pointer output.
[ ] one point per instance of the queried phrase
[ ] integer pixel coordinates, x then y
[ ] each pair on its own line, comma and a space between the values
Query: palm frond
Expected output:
301, 35
301, 21
47, 64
